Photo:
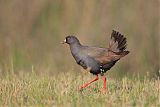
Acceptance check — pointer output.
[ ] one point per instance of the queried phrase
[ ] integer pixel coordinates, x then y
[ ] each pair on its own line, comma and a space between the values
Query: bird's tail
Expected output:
118, 43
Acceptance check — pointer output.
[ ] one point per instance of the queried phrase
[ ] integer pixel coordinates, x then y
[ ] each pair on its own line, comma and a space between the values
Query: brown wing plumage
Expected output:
115, 51
108, 57
103, 55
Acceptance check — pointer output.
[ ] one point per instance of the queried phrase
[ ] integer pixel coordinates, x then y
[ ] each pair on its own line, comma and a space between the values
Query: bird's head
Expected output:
70, 40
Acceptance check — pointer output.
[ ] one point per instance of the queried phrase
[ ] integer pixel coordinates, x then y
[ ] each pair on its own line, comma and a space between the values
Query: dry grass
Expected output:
61, 90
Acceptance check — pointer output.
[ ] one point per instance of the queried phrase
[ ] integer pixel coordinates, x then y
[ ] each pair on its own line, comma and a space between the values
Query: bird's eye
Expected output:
68, 38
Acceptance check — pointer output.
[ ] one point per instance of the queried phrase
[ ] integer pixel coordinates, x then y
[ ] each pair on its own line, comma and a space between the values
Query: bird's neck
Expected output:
75, 47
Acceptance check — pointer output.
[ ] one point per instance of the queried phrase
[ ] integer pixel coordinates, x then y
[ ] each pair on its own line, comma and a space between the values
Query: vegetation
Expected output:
31, 30
62, 91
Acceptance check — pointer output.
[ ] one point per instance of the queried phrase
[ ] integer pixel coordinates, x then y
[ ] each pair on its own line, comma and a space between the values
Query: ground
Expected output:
62, 91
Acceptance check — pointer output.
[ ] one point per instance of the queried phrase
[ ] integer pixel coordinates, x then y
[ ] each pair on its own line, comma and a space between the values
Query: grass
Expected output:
61, 91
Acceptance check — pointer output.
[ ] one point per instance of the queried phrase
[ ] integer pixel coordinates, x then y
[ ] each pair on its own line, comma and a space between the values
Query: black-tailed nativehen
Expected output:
98, 60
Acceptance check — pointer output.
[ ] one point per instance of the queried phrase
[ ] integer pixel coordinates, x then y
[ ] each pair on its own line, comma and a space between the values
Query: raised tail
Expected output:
118, 43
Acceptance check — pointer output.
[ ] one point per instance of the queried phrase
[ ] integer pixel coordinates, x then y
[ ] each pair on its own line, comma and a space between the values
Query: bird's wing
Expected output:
103, 55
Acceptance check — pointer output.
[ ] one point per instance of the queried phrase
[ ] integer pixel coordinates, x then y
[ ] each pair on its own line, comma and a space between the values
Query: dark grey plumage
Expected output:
98, 60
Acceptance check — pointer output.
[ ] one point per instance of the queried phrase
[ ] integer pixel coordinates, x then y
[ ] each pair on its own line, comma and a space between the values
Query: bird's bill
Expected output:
64, 41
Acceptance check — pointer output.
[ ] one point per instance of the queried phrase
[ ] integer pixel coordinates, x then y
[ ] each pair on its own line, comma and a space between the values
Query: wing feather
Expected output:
103, 55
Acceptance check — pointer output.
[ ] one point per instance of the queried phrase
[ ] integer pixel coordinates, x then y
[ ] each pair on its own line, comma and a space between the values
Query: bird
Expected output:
98, 60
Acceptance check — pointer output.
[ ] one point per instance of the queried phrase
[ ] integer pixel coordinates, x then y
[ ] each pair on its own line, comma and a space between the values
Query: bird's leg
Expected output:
85, 85
105, 81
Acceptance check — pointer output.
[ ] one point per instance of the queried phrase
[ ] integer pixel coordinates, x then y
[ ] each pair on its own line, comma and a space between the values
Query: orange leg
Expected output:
105, 81
85, 85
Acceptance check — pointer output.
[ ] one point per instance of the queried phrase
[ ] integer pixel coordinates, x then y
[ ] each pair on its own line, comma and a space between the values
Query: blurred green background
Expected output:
31, 32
